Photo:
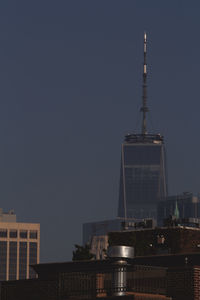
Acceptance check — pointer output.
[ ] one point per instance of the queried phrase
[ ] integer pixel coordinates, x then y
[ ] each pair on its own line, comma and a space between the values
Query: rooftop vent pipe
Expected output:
120, 255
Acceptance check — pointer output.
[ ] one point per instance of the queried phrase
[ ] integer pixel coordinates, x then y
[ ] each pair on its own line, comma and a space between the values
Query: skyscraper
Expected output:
143, 179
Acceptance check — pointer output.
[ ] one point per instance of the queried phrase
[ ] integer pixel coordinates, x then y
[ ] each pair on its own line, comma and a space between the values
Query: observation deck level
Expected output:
144, 138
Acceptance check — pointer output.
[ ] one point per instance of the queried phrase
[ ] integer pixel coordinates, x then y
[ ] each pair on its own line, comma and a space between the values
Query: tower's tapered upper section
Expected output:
144, 109
144, 136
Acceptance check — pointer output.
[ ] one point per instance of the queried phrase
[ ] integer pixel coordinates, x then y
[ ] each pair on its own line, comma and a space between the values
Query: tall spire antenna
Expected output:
144, 109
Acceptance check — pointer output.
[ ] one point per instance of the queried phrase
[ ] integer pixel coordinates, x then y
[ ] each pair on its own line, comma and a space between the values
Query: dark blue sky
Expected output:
70, 88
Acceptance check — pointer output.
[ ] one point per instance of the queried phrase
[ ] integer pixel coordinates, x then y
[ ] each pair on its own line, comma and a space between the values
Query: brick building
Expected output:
162, 240
92, 280
86, 280
184, 283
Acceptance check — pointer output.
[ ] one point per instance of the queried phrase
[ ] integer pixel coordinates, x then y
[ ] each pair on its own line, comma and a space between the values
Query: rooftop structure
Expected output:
101, 228
9, 216
96, 233
160, 240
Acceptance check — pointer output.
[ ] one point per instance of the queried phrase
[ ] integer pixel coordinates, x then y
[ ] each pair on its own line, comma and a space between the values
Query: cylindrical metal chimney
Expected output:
120, 256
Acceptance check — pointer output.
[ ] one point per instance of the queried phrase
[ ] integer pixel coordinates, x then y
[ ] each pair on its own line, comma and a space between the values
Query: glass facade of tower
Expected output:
142, 177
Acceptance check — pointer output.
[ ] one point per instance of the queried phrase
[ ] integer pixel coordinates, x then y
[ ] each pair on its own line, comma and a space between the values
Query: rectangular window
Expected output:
13, 233
13, 261
22, 260
3, 260
32, 259
3, 232
23, 234
33, 234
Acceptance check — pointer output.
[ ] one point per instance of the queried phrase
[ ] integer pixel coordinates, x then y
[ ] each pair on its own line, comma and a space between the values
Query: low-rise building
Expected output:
96, 233
19, 247
160, 240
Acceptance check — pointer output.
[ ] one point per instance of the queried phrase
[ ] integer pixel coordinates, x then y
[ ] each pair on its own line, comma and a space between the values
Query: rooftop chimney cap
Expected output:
125, 252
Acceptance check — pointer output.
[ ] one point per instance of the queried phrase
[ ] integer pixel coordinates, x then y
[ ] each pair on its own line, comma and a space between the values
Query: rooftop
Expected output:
144, 138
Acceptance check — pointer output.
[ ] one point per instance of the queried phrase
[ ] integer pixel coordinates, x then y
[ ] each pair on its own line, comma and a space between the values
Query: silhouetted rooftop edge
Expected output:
144, 138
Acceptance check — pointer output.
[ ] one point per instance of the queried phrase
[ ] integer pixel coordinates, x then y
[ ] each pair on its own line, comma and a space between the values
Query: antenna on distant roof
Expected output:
144, 107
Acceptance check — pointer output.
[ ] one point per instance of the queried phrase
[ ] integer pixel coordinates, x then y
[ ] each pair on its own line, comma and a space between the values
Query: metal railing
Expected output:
89, 285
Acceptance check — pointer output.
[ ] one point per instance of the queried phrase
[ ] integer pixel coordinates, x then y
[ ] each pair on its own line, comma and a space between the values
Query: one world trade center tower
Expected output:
143, 179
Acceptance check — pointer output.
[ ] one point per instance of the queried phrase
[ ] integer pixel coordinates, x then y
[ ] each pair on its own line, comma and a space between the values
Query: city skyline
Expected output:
71, 89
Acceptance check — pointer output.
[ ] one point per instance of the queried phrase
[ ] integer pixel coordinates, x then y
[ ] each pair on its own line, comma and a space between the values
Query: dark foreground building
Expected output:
93, 279
160, 240
86, 280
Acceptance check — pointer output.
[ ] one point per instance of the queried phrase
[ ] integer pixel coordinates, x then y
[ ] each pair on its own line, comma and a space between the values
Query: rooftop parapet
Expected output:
144, 138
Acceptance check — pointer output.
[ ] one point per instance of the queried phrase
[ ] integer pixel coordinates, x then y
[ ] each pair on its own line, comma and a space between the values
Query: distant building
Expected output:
19, 247
96, 233
7, 216
160, 240
187, 205
101, 228
143, 180
99, 245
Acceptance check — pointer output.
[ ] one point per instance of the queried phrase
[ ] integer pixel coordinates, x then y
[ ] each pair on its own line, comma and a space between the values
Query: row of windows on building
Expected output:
13, 233
17, 260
